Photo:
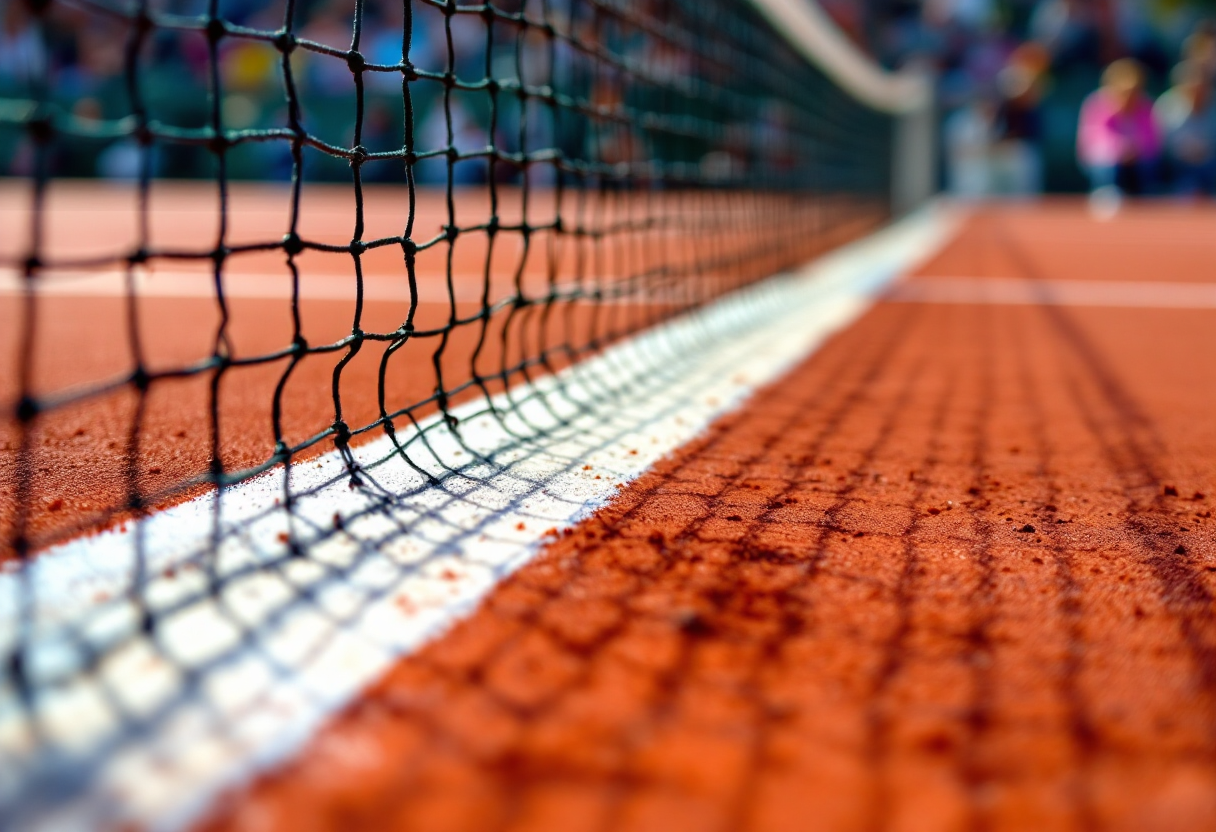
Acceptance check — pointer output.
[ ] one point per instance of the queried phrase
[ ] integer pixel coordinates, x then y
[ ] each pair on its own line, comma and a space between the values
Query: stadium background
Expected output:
967, 43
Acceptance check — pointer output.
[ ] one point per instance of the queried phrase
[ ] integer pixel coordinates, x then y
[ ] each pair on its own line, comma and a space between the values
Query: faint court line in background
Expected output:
1021, 292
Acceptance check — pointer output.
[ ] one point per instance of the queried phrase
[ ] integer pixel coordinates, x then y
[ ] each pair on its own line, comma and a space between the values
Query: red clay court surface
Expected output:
955, 571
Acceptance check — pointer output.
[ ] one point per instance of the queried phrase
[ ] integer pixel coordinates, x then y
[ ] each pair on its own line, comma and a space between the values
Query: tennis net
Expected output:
470, 198
567, 173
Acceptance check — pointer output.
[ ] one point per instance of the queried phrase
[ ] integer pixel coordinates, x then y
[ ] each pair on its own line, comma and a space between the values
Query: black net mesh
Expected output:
569, 172
488, 193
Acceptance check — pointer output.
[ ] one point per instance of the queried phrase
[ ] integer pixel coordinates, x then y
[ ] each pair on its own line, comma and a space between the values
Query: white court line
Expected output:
161, 283
377, 288
235, 680
1023, 292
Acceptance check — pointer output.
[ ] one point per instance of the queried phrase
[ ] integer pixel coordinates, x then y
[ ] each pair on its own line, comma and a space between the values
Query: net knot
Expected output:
358, 155
137, 257
355, 61
140, 379
216, 29
218, 143
357, 247
31, 266
41, 128
342, 434
451, 232
142, 23
299, 344
26, 409
15, 663
292, 244
285, 42
409, 247
22, 547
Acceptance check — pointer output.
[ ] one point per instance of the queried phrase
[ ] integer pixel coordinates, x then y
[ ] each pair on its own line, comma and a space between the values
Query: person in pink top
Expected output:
1118, 140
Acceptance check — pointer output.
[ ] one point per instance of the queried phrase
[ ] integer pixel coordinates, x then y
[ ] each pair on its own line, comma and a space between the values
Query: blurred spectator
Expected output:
1017, 157
1118, 143
1199, 49
1187, 119
1069, 31
1138, 28
969, 133
994, 143
970, 14
22, 58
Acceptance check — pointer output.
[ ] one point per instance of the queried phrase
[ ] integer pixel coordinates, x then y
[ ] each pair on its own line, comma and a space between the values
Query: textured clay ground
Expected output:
954, 572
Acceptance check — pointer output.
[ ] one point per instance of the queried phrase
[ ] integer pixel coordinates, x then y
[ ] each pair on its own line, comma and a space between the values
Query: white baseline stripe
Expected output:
1018, 291
234, 680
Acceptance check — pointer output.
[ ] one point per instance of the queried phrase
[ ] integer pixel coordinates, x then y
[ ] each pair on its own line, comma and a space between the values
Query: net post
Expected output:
905, 96
914, 174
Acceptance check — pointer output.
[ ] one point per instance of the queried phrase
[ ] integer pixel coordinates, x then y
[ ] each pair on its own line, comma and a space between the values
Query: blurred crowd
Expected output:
83, 51
1113, 96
